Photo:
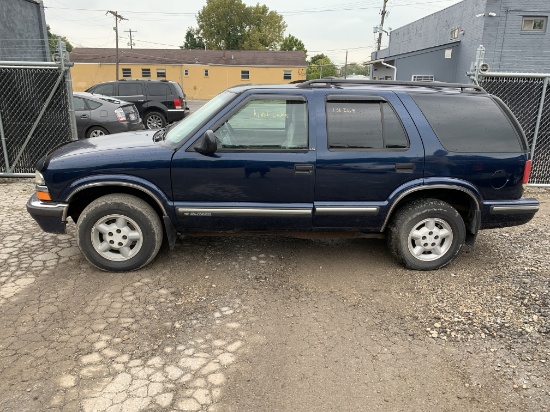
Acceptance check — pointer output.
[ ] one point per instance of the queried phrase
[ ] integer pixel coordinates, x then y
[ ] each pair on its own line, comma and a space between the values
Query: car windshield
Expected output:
187, 126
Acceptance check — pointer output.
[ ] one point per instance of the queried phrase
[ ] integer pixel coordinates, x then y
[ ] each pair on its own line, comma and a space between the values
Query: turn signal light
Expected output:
43, 196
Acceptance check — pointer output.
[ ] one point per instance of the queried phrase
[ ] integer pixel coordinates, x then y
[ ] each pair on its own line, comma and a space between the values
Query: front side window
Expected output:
126, 72
245, 74
161, 73
454, 33
186, 72
145, 72
205, 72
534, 24
266, 125
130, 89
287, 74
423, 78
363, 125
105, 89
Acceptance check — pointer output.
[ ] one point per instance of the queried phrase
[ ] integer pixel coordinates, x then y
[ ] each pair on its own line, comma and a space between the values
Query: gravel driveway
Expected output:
273, 324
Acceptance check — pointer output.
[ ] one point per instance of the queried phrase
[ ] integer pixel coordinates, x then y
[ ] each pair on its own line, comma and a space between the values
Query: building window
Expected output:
126, 72
145, 72
161, 73
186, 72
205, 72
454, 33
423, 78
287, 74
245, 74
534, 24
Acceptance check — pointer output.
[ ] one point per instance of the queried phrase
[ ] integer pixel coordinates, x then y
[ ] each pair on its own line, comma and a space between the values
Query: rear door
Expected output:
369, 148
132, 92
262, 175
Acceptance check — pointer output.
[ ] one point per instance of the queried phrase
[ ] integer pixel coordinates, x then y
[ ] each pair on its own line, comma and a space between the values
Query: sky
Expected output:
324, 26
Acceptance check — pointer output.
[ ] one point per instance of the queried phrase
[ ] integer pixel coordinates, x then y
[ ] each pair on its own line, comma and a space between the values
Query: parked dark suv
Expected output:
158, 101
427, 165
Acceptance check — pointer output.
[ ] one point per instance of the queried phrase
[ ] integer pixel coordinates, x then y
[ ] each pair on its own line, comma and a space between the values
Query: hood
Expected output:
128, 140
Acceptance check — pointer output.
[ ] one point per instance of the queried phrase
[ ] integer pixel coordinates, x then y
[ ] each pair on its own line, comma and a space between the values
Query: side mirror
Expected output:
208, 144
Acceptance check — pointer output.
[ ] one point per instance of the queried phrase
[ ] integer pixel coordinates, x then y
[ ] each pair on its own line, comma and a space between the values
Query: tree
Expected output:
357, 69
291, 43
231, 25
193, 40
52, 41
320, 66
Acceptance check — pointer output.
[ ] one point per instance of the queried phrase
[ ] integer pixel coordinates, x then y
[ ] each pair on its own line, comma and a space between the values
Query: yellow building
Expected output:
201, 73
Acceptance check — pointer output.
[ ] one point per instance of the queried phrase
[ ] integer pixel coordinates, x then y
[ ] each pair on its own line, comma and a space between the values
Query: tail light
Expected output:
527, 172
177, 103
121, 116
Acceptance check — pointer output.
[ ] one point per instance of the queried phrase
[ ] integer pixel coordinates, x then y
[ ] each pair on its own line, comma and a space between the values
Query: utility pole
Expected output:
131, 44
117, 18
346, 66
383, 14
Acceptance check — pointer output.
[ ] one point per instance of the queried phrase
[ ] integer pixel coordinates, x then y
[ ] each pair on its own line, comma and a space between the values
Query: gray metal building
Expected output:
443, 45
23, 33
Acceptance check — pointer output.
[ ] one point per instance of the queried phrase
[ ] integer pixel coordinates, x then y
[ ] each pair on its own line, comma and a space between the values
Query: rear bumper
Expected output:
51, 217
508, 213
175, 115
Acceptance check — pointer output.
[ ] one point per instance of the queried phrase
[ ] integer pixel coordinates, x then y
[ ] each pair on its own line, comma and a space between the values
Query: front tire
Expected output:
119, 232
426, 234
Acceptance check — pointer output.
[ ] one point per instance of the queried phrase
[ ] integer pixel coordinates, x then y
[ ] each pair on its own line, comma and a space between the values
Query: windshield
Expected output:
187, 126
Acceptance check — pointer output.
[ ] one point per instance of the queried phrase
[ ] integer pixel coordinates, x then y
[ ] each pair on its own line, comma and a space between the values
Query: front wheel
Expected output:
119, 232
426, 234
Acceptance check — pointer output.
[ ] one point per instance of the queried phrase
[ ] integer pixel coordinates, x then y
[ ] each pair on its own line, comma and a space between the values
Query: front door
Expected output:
260, 178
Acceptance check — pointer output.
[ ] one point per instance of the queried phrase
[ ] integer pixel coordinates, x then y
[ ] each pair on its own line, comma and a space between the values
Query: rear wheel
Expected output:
154, 120
426, 234
96, 131
119, 232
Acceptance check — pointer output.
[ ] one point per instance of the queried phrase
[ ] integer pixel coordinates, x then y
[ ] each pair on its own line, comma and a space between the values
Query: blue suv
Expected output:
426, 165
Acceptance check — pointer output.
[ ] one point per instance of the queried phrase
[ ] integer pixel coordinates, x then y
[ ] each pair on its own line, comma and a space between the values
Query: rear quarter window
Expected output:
469, 124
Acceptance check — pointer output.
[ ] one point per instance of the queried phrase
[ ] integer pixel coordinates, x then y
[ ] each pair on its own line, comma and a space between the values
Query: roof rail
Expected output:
332, 82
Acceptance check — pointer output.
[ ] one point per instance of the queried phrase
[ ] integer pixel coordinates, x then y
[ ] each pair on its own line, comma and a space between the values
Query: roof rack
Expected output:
333, 82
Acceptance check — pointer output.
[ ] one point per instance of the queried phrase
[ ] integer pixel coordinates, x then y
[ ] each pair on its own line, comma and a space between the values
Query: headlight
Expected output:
39, 179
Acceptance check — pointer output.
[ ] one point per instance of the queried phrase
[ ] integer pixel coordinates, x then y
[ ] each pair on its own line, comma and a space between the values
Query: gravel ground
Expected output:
273, 324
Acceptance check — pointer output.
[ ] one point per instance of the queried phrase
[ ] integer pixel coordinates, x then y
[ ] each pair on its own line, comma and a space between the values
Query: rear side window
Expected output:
92, 104
130, 89
158, 89
469, 124
366, 125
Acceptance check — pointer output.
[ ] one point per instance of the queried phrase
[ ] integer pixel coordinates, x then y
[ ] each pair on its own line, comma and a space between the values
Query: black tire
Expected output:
426, 234
96, 131
118, 224
154, 120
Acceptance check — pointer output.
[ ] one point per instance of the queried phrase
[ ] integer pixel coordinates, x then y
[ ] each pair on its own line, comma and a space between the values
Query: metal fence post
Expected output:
66, 67
4, 146
539, 117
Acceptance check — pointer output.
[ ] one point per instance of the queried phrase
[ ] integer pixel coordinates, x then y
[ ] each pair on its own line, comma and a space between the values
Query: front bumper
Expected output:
50, 216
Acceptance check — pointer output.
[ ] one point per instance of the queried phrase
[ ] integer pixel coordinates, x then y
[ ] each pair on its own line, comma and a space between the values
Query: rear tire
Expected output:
154, 120
119, 232
426, 234
96, 131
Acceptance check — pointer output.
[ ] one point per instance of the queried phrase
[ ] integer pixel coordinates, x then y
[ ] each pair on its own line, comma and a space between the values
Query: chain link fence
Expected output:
526, 95
36, 113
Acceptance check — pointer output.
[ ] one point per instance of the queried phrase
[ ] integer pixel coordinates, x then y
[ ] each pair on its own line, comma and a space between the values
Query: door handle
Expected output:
83, 116
404, 167
303, 169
